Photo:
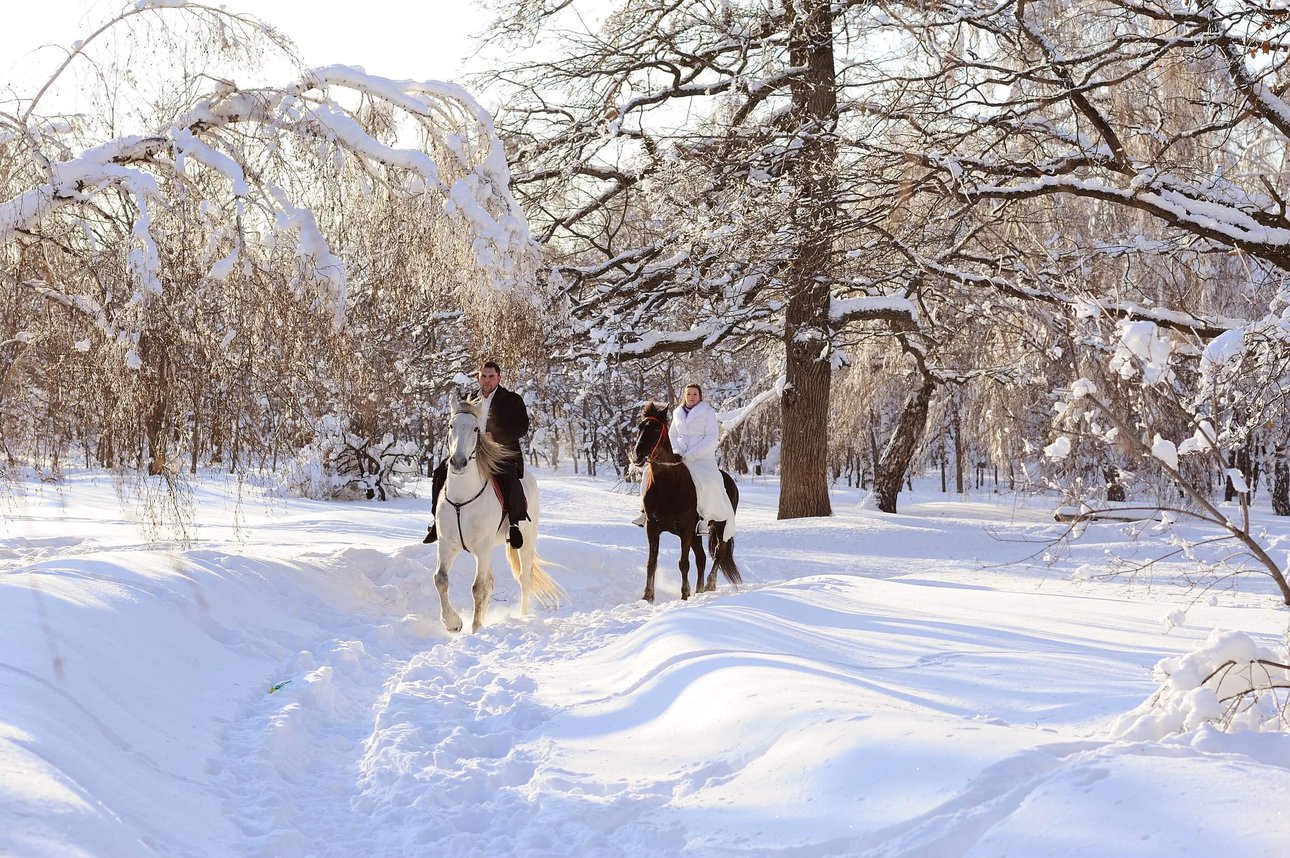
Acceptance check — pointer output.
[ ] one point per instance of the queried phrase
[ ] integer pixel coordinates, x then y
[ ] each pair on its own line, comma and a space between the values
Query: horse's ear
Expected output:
454, 401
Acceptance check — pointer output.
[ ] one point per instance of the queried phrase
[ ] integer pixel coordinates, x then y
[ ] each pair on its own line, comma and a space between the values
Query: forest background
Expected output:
1030, 246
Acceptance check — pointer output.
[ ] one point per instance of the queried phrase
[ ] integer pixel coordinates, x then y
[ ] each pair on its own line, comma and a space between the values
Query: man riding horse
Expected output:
506, 419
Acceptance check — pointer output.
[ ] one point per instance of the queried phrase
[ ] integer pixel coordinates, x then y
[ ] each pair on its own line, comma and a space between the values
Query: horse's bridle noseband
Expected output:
661, 436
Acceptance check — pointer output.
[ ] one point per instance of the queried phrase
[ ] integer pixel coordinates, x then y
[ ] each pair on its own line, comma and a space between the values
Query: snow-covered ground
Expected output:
903, 685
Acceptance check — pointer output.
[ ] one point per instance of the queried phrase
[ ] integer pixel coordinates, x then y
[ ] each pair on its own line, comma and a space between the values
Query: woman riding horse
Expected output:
671, 505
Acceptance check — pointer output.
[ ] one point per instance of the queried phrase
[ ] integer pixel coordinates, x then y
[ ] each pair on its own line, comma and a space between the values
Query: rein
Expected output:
654, 451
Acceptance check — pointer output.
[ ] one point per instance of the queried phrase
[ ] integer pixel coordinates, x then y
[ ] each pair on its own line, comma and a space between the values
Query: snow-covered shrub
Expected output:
1230, 682
339, 464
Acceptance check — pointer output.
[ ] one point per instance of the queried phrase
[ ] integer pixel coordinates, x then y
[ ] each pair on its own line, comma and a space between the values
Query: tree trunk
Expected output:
956, 429
899, 452
1280, 481
156, 406
804, 488
1114, 488
945, 485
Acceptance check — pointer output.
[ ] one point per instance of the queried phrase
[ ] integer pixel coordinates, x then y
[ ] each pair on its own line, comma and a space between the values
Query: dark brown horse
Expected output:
671, 505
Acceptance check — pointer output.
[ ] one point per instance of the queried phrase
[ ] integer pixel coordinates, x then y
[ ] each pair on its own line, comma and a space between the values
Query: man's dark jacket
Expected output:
508, 418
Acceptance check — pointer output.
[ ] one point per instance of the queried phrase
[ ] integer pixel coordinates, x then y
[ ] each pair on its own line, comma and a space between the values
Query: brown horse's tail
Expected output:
722, 552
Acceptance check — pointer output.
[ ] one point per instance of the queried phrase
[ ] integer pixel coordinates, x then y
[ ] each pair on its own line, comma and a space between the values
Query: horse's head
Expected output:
651, 434
463, 434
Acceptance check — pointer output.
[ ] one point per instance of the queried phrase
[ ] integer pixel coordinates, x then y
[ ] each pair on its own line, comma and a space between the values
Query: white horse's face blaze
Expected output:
463, 438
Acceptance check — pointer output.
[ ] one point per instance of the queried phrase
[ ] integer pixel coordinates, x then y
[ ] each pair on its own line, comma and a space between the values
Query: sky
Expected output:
392, 38
880, 685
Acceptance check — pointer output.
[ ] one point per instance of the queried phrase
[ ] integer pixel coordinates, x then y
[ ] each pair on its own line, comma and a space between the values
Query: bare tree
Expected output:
682, 164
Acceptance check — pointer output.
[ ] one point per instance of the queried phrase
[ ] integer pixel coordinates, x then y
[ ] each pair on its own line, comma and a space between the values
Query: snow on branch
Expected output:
312, 248
890, 307
732, 419
1206, 327
1198, 210
464, 165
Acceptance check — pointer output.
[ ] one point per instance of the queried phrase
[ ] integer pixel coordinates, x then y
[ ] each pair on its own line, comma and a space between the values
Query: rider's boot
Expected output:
432, 533
515, 538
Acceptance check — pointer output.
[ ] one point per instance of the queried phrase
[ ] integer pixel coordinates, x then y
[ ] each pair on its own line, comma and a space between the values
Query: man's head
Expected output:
490, 375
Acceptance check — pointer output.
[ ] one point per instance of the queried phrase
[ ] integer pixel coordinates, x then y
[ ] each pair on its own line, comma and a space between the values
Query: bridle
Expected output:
661, 435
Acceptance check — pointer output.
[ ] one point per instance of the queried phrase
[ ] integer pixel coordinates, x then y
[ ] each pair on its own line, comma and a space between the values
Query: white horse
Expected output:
470, 517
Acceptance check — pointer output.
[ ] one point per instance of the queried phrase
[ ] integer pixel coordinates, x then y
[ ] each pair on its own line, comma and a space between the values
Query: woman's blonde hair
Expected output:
695, 386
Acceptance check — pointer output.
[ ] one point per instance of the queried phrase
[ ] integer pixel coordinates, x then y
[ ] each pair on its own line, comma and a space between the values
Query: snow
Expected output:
1202, 441
188, 143
224, 267
1059, 449
1165, 450
872, 306
1225, 347
882, 685
1083, 387
1141, 349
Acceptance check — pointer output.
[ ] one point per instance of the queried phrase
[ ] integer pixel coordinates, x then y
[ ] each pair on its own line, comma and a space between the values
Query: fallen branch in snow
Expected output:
1110, 513
1250, 698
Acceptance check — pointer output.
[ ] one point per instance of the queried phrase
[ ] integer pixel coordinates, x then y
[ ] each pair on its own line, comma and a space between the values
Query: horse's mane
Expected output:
490, 455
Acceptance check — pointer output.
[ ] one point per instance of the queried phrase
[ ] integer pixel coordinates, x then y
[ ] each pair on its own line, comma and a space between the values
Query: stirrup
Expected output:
515, 539
431, 534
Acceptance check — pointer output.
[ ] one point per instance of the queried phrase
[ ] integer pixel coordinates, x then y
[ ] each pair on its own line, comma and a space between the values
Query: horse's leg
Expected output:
447, 553
483, 586
687, 542
651, 565
700, 563
715, 531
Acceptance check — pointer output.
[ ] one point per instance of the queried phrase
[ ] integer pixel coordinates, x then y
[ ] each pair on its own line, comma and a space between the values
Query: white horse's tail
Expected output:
541, 585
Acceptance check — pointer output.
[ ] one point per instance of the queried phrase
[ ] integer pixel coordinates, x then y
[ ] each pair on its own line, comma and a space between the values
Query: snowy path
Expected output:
883, 687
